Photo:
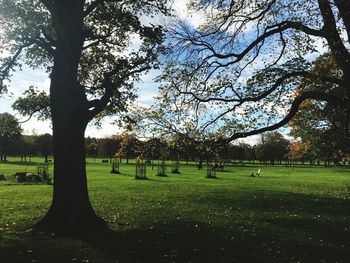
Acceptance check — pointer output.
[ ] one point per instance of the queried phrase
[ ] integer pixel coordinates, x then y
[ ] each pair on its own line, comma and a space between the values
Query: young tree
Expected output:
236, 73
129, 146
300, 151
10, 132
85, 45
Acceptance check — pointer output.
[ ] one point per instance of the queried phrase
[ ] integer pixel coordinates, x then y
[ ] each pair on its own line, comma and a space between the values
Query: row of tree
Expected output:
272, 147
14, 143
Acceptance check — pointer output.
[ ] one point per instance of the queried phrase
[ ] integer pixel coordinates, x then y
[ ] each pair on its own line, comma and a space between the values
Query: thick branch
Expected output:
344, 11
271, 30
29, 117
268, 92
264, 94
43, 44
293, 110
98, 105
332, 36
7, 66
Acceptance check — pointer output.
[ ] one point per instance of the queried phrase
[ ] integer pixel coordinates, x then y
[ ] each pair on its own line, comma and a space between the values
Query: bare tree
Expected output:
237, 73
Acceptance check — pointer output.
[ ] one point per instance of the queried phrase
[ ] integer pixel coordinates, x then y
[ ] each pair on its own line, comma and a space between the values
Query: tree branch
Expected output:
339, 51
263, 95
110, 86
269, 31
43, 44
292, 112
92, 7
344, 11
29, 117
8, 65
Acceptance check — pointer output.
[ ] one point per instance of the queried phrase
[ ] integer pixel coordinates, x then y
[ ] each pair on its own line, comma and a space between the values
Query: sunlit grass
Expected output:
286, 215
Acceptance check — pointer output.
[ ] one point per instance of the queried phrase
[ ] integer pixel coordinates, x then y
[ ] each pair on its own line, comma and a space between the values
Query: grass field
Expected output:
286, 215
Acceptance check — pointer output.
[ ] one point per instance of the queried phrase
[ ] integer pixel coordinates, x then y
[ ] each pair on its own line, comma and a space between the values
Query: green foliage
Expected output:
9, 126
273, 147
44, 145
10, 132
324, 128
43, 173
106, 146
110, 28
20, 22
34, 102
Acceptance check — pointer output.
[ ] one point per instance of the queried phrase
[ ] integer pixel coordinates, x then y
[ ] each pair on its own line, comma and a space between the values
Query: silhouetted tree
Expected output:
84, 45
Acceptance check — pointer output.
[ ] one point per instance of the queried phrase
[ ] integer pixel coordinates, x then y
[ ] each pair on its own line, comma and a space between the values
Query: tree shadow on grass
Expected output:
176, 242
318, 234
197, 242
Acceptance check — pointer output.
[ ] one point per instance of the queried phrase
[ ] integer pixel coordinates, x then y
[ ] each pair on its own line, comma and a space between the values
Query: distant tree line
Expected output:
272, 148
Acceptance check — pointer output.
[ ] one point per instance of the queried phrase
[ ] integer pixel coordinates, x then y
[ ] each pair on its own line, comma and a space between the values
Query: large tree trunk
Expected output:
70, 210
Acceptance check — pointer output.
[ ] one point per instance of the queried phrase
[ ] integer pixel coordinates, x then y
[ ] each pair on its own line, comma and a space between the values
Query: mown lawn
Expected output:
286, 215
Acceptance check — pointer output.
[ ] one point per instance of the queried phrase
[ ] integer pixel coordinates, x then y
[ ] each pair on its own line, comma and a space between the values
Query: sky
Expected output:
147, 89
21, 80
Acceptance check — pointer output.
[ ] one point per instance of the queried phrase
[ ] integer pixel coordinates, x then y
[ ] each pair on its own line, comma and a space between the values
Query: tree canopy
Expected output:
108, 58
10, 131
88, 49
236, 73
322, 128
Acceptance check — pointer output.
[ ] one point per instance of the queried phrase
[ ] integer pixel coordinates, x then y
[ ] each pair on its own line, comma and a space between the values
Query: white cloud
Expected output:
195, 19
251, 140
33, 126
107, 129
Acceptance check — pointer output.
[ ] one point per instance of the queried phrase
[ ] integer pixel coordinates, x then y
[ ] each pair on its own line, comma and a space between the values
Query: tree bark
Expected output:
70, 211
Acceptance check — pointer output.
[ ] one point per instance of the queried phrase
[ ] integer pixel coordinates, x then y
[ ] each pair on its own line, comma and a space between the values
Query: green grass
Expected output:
286, 215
